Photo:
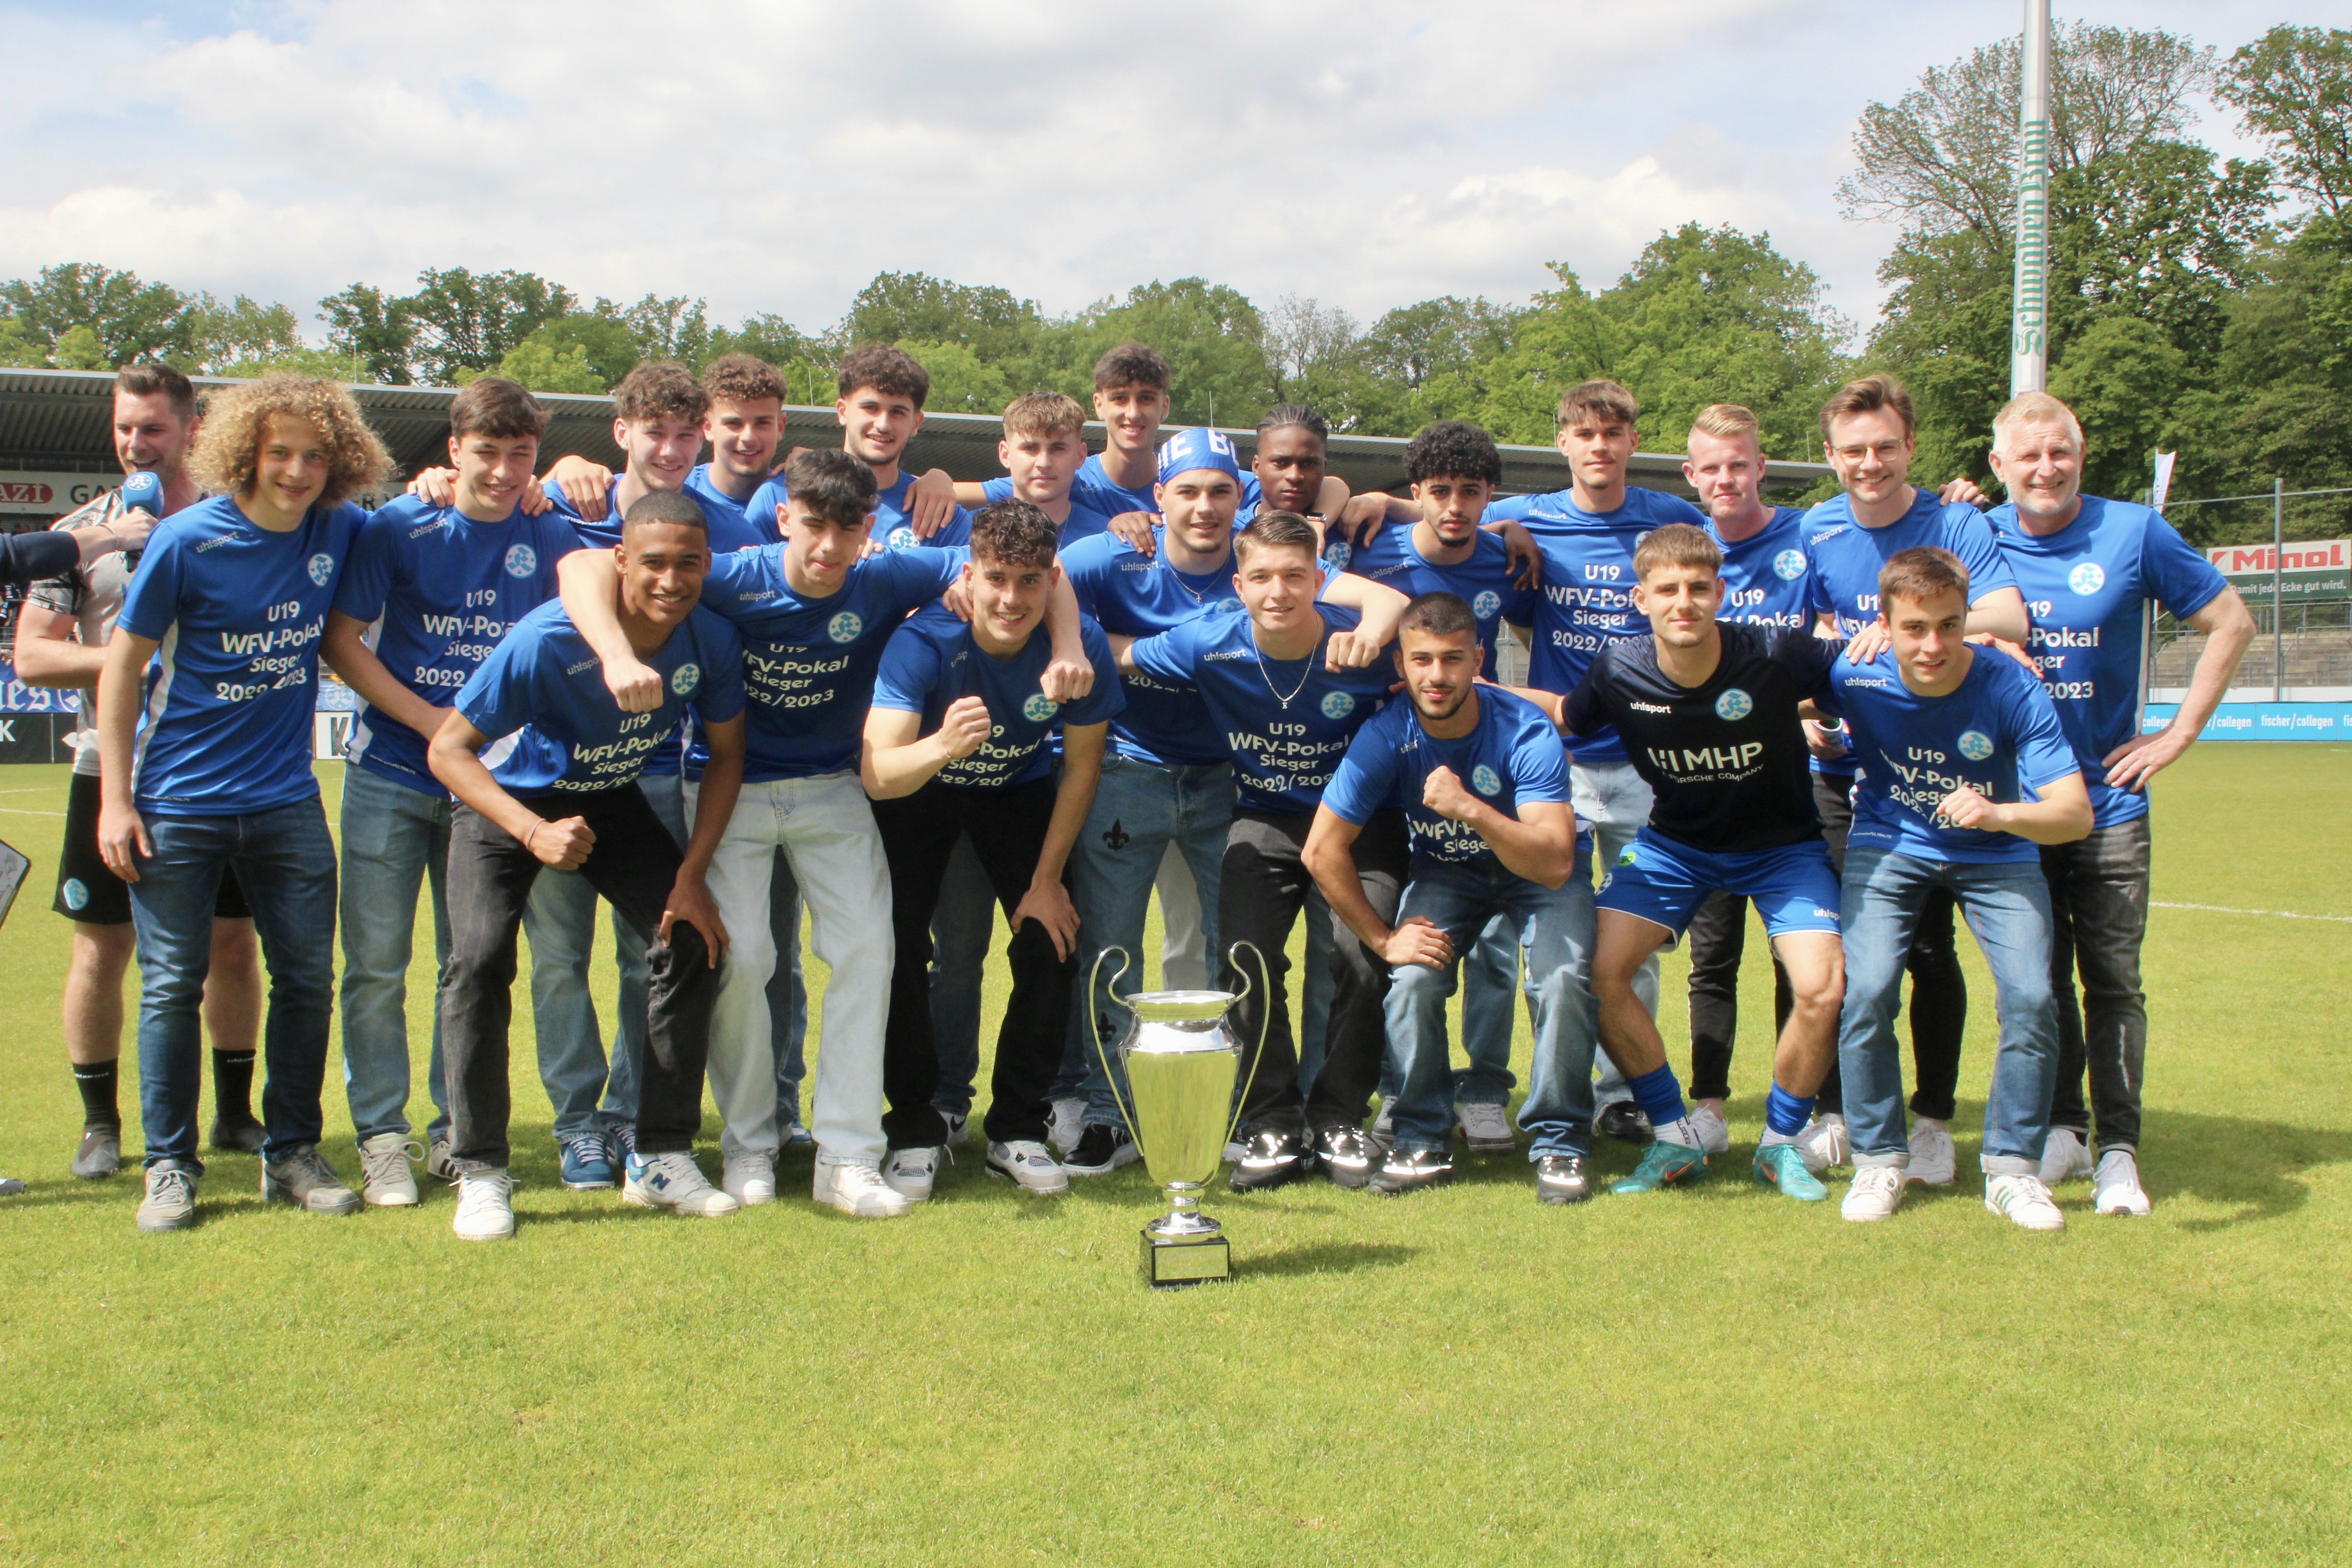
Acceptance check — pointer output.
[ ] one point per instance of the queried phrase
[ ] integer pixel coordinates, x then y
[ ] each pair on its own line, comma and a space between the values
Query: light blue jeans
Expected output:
395, 839
2007, 906
1490, 982
1554, 927
1139, 808
1612, 802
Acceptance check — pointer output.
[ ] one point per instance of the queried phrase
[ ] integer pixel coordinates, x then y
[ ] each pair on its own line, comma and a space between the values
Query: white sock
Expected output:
1939, 1124
1678, 1131
1771, 1138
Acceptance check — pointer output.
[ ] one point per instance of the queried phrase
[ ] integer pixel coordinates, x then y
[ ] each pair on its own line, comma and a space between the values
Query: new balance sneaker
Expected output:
2115, 1186
100, 1155
1623, 1120
485, 1205
386, 1179
1934, 1161
1100, 1149
1561, 1179
856, 1189
1271, 1156
1714, 1133
1824, 1143
674, 1182
1663, 1164
587, 1163
238, 1134
1409, 1170
1782, 1165
2064, 1157
1485, 1128
2024, 1201
1875, 1194
1068, 1123
748, 1178
911, 1172
441, 1161
169, 1201
1344, 1155
1028, 1166
305, 1179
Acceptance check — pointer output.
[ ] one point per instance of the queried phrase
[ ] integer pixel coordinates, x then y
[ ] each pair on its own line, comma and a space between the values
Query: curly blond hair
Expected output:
228, 453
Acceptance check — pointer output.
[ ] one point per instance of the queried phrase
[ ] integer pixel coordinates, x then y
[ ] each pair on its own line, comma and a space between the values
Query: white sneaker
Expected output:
2063, 1158
1069, 1121
959, 1128
485, 1205
674, 1182
911, 1172
2024, 1200
2115, 1188
1933, 1159
1485, 1128
1877, 1194
856, 1190
386, 1179
1714, 1134
1824, 1142
1028, 1166
748, 1178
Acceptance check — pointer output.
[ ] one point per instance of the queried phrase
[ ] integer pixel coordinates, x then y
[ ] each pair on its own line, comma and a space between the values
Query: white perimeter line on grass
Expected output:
2226, 909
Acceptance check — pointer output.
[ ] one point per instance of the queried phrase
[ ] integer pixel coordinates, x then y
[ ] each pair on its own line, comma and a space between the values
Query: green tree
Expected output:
244, 332
114, 316
468, 320
2293, 87
373, 328
903, 307
599, 340
545, 365
961, 382
1212, 336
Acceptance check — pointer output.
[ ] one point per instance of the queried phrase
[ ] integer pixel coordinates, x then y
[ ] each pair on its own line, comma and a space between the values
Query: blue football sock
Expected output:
1785, 1113
1660, 1096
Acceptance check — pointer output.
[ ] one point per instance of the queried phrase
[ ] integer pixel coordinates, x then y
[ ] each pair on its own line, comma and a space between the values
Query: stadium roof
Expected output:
57, 422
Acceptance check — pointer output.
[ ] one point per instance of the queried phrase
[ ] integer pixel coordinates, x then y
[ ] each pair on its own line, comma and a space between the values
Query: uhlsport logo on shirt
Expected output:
1486, 606
2087, 579
1733, 704
1789, 565
1337, 705
521, 560
322, 566
1483, 780
844, 626
685, 678
1975, 745
1039, 708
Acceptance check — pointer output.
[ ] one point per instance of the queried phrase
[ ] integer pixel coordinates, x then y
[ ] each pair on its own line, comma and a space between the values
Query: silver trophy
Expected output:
1181, 1058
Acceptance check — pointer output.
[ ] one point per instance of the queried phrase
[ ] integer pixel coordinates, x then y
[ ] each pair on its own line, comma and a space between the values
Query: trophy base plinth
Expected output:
1170, 1261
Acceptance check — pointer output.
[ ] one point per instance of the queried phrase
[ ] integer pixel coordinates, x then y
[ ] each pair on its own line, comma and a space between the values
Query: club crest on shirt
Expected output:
2087, 579
1733, 704
1789, 565
904, 539
1337, 553
1039, 708
322, 566
1486, 606
1975, 745
1337, 705
1483, 780
76, 894
844, 626
685, 678
521, 560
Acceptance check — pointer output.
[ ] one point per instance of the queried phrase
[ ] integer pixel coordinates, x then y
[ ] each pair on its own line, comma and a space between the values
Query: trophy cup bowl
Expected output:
1181, 1058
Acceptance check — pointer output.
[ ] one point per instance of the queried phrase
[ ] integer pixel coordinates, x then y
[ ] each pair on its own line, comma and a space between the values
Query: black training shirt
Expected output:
1727, 758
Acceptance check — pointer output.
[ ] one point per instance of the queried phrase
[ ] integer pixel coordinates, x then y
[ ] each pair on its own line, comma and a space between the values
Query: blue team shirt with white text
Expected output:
1135, 595
1513, 758
1484, 582
933, 660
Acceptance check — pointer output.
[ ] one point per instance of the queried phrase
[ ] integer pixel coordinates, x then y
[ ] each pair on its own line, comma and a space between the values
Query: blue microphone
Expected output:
142, 491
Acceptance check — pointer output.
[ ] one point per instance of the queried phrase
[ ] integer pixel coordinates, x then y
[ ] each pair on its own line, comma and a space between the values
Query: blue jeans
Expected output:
2007, 906
1555, 934
394, 839
1490, 980
285, 861
963, 924
1139, 808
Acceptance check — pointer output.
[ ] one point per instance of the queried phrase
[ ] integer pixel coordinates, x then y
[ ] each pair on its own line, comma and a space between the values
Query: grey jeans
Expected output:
2098, 908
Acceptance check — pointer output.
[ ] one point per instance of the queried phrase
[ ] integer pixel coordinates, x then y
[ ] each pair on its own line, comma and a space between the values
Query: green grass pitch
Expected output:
1717, 1376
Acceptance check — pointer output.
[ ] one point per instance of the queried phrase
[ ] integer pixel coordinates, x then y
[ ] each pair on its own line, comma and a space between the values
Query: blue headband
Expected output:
1197, 449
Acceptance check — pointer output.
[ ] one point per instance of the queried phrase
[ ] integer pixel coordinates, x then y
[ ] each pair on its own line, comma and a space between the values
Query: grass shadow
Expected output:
1325, 1258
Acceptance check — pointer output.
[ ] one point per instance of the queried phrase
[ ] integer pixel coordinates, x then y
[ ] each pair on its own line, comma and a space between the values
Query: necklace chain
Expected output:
1305, 677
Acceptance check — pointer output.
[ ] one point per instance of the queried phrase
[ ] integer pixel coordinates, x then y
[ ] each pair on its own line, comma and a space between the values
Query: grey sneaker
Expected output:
171, 1200
10, 1187
1485, 1128
439, 1160
305, 1179
100, 1155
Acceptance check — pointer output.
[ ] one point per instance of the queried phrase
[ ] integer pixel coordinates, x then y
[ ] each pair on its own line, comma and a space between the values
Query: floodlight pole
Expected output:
2278, 589
2028, 336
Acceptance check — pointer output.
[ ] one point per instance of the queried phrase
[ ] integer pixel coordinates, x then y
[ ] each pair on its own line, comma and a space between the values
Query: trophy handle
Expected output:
1094, 1029
1264, 1019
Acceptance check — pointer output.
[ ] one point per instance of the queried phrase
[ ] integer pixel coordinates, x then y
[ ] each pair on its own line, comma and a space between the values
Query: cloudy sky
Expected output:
773, 156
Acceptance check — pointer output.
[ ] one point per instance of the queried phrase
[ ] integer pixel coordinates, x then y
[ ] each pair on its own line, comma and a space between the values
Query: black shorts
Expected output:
88, 892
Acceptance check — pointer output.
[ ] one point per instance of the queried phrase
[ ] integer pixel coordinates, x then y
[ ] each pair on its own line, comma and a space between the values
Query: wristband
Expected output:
533, 834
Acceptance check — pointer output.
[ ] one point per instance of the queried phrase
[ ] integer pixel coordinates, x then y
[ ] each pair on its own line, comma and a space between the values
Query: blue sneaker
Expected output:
1782, 1165
621, 1137
587, 1163
797, 1136
1663, 1164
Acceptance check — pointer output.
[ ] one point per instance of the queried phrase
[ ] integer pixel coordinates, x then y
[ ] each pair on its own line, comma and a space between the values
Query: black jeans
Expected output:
633, 864
2098, 914
1263, 889
1008, 831
1939, 992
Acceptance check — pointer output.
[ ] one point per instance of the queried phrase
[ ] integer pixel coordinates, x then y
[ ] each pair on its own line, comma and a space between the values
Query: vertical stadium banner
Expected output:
2313, 571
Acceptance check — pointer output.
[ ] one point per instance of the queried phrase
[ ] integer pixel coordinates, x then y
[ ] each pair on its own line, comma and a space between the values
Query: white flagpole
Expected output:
2029, 352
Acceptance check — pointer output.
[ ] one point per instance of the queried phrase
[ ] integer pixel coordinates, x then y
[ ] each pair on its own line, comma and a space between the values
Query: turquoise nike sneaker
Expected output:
1782, 1165
1661, 1163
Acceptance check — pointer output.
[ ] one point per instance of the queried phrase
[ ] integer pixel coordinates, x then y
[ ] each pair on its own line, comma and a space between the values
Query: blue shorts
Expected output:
1664, 882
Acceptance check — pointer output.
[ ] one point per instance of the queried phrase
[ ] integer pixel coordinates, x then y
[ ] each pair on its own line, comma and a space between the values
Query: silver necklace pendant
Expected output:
1307, 676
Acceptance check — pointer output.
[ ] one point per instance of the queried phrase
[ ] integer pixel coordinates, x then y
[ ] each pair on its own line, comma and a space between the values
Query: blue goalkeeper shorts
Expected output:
1664, 882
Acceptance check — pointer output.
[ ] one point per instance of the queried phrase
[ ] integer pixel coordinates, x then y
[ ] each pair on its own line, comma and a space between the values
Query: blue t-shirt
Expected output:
762, 526
1283, 752
1513, 758
1767, 576
809, 664
931, 661
1137, 595
1390, 558
1588, 585
238, 611
554, 728
1996, 733
1094, 490
445, 588
727, 520
1086, 520
893, 527
2084, 587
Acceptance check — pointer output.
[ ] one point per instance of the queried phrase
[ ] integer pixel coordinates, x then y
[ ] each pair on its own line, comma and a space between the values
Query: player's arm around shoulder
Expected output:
587, 581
